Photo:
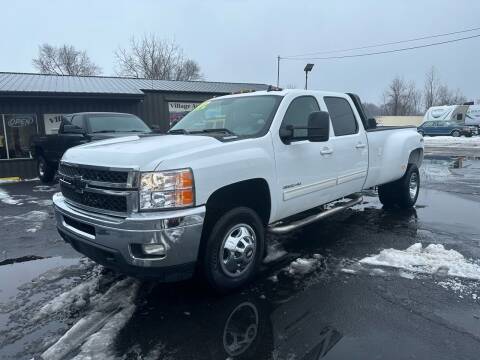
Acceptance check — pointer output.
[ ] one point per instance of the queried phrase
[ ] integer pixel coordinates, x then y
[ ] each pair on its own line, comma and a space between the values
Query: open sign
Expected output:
20, 122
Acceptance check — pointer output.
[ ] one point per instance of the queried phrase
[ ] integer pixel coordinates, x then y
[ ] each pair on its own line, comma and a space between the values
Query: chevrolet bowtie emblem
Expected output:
79, 184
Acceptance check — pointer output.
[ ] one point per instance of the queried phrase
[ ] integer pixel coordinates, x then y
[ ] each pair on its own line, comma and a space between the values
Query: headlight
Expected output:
166, 189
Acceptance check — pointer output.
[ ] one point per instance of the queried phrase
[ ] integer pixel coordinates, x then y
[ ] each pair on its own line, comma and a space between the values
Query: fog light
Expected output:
154, 249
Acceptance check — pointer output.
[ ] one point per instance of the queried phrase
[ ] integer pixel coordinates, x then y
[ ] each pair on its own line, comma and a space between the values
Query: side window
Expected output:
65, 121
297, 113
459, 117
77, 121
341, 114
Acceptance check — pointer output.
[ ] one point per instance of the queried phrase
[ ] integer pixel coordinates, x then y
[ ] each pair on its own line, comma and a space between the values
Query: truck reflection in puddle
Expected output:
234, 327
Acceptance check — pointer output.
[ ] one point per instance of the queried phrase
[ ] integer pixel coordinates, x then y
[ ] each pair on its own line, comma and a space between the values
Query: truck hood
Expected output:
140, 152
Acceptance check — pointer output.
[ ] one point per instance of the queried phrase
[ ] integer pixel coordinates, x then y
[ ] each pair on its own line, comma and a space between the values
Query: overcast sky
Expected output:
238, 40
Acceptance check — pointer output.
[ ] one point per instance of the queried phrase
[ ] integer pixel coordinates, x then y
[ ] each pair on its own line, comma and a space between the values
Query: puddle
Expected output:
19, 273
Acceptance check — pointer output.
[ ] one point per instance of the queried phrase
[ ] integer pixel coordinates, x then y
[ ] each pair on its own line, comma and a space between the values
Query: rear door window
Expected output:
342, 116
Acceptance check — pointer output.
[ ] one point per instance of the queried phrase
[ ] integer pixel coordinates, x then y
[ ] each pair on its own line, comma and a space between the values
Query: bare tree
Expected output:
431, 88
401, 98
64, 60
372, 109
435, 93
449, 97
153, 58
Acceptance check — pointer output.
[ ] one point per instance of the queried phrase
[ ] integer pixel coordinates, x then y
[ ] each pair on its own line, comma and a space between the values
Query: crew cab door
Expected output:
306, 172
349, 143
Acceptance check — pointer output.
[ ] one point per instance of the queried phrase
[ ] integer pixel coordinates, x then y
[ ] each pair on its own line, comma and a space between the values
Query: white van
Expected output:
468, 115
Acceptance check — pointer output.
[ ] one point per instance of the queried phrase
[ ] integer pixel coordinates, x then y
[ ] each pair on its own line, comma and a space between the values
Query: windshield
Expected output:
241, 116
116, 123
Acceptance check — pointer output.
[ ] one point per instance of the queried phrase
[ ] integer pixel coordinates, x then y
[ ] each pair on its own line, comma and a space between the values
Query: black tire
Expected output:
214, 268
45, 171
400, 193
455, 133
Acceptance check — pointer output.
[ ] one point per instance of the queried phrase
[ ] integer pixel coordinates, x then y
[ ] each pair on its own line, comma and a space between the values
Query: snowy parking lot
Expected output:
371, 282
460, 146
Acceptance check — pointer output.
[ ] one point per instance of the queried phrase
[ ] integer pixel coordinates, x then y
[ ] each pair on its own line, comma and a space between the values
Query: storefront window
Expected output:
16, 135
177, 110
3, 144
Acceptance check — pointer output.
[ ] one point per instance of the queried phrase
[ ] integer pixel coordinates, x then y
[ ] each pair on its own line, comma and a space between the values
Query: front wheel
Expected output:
234, 249
455, 133
403, 192
45, 171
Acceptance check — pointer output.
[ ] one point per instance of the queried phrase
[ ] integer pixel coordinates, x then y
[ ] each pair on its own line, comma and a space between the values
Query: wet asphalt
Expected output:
329, 313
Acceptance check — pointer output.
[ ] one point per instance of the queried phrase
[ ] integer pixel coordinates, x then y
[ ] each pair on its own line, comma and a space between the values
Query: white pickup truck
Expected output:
201, 198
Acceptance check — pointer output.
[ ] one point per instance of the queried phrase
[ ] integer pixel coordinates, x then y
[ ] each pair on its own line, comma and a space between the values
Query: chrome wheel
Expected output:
42, 168
456, 133
413, 185
237, 252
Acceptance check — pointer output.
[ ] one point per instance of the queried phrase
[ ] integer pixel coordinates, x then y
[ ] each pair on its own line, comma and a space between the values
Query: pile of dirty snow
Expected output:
7, 199
450, 141
96, 332
432, 259
275, 251
33, 220
302, 266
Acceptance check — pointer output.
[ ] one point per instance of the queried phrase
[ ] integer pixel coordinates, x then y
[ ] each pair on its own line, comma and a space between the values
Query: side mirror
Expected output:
286, 134
318, 126
371, 123
72, 129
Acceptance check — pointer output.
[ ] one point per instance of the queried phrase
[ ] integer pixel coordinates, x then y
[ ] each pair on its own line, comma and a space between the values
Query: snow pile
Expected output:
433, 259
96, 332
450, 141
44, 188
302, 266
73, 299
7, 199
35, 219
44, 202
275, 251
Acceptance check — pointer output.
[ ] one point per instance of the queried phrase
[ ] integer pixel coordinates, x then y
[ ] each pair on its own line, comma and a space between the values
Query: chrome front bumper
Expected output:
114, 241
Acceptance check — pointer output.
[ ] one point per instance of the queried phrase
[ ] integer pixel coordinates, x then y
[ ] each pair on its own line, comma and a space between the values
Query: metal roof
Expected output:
101, 85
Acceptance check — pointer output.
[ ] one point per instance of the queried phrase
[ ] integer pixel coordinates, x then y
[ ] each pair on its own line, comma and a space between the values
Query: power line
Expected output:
385, 44
382, 52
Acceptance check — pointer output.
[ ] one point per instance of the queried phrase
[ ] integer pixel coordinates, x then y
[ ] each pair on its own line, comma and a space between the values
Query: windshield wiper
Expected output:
178, 131
104, 131
223, 130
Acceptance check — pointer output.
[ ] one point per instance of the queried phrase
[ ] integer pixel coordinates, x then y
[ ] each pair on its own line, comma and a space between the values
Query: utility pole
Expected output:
278, 71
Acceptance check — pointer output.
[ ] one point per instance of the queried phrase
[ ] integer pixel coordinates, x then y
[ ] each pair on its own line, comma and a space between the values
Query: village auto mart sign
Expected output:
180, 107
177, 110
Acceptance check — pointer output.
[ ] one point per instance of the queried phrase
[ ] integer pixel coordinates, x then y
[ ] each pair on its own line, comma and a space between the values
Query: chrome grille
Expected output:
99, 189
95, 200
93, 174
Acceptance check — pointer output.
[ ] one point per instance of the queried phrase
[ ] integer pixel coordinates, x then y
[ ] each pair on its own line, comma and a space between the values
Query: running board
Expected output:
286, 228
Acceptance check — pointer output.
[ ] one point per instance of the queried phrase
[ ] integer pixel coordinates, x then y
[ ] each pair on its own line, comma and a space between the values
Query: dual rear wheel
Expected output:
402, 193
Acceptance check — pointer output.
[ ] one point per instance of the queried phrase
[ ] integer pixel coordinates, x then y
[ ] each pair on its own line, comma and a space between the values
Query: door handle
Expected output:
360, 145
326, 151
